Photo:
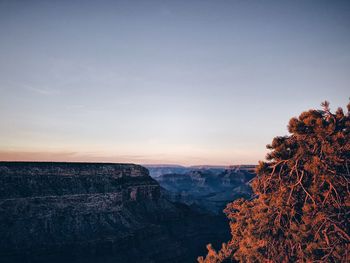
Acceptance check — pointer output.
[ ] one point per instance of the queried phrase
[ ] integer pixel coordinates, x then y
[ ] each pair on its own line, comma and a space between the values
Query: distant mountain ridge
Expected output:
208, 188
157, 170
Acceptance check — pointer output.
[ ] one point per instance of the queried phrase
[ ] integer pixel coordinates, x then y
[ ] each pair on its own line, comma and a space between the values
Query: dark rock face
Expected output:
20, 180
85, 212
158, 170
208, 189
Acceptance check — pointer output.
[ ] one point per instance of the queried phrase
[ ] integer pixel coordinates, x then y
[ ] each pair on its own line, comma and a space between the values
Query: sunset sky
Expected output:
185, 82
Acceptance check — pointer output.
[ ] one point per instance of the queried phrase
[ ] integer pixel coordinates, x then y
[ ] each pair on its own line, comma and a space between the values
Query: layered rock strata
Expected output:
88, 212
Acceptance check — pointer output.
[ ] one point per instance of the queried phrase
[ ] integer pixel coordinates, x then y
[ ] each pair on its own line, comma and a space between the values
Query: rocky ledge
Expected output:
88, 212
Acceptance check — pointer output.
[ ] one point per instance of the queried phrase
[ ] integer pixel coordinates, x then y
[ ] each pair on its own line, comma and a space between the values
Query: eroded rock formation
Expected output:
208, 189
86, 212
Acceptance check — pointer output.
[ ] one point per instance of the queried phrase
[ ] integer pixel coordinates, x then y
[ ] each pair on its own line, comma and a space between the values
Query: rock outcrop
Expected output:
208, 189
87, 212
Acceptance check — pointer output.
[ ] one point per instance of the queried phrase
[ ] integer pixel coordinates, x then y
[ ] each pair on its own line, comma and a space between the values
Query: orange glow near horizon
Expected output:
139, 159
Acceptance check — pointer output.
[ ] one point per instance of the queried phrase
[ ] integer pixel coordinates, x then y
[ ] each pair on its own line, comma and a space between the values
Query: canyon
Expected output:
97, 212
207, 188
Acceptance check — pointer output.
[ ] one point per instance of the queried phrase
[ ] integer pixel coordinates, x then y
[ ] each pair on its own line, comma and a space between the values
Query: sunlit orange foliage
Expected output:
300, 211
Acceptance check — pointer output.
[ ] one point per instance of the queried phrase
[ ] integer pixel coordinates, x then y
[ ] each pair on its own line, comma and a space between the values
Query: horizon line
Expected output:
141, 164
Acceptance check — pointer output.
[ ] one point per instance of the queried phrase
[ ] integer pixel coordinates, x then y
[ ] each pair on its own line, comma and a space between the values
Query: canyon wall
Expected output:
88, 212
208, 189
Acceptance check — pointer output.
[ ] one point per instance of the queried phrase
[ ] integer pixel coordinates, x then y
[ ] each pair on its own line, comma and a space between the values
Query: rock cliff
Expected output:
208, 189
88, 212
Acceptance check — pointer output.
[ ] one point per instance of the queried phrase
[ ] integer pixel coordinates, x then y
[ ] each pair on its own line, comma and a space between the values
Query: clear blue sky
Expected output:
188, 82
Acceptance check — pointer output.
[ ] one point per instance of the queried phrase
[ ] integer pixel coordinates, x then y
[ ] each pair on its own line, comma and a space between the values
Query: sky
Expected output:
166, 82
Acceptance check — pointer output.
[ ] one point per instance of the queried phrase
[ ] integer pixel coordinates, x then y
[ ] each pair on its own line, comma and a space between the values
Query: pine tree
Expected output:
300, 210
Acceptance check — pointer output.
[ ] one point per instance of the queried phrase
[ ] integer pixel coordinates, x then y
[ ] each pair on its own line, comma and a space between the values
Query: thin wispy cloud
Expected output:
41, 90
